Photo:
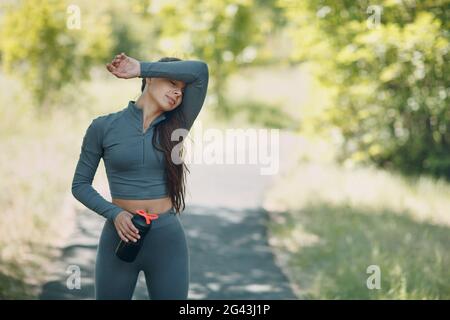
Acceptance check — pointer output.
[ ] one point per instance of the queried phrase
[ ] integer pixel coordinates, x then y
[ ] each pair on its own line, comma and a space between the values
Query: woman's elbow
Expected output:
77, 188
203, 69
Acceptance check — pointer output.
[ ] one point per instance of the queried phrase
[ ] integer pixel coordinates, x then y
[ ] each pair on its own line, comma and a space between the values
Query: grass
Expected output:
36, 212
329, 223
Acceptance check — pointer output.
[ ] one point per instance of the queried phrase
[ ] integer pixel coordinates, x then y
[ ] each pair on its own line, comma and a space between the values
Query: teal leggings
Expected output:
164, 259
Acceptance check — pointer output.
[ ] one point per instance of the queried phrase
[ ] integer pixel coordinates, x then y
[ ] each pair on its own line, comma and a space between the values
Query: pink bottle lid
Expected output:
148, 216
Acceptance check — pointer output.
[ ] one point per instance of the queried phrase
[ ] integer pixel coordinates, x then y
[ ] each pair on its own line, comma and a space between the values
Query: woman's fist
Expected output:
124, 67
125, 227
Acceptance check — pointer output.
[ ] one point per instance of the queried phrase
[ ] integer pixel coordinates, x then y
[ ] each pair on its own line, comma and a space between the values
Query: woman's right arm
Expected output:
82, 190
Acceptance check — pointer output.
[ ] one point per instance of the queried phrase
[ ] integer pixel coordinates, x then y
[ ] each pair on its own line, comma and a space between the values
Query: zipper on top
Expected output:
143, 145
143, 149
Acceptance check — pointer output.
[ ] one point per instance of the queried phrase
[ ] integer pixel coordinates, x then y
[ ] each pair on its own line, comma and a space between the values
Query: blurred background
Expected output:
359, 91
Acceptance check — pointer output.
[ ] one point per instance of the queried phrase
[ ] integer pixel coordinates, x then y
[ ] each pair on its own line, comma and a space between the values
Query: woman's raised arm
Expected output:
194, 73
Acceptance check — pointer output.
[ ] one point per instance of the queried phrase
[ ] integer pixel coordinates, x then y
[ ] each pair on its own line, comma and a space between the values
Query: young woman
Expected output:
136, 146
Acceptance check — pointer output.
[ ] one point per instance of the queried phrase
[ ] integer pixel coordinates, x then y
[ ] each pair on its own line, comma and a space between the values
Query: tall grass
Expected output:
330, 223
35, 166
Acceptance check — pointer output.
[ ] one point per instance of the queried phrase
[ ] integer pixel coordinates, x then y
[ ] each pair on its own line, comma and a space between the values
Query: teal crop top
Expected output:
134, 168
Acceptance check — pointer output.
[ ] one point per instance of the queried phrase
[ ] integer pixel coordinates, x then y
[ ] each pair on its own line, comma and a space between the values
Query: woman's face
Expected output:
168, 93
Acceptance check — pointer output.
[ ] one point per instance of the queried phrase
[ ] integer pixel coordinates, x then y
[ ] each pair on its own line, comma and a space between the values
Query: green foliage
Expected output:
389, 79
39, 45
229, 36
331, 223
226, 34
261, 113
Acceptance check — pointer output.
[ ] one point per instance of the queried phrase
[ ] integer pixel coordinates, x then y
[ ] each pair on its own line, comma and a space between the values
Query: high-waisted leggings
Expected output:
163, 257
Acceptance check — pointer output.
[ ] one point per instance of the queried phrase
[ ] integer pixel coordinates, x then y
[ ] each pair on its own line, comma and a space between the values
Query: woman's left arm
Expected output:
194, 73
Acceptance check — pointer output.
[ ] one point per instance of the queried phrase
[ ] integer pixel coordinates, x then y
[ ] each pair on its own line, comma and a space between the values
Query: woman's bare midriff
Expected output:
156, 206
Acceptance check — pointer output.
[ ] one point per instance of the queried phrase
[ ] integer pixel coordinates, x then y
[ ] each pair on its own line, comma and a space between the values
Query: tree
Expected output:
39, 45
388, 74
225, 33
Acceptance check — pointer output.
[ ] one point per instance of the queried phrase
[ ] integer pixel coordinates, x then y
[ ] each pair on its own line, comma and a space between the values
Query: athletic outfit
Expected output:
136, 170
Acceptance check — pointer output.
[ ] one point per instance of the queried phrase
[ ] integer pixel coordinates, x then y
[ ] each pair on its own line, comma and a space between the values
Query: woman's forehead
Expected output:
178, 83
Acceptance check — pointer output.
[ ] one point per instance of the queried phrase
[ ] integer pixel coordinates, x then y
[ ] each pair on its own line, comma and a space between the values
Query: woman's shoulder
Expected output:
105, 120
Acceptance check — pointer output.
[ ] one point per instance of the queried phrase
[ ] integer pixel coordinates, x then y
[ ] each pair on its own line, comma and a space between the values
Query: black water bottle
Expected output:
127, 251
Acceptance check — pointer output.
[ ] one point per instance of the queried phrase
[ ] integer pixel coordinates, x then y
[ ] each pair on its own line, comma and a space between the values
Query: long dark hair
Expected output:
175, 174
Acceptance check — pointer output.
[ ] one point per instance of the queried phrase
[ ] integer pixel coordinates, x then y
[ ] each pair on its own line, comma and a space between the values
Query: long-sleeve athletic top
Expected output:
134, 168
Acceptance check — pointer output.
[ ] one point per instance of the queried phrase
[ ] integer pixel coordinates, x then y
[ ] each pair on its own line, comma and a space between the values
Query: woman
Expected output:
136, 146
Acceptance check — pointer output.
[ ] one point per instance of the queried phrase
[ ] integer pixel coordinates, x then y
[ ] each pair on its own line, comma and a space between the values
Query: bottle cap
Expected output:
148, 216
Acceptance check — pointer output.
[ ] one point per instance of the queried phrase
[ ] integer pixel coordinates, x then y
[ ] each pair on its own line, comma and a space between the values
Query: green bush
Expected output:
388, 76
41, 44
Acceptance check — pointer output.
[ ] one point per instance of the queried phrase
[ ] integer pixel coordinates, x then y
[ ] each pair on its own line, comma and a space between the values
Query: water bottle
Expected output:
127, 251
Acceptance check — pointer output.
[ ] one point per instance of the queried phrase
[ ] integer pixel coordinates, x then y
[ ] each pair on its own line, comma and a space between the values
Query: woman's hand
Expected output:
124, 67
125, 227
